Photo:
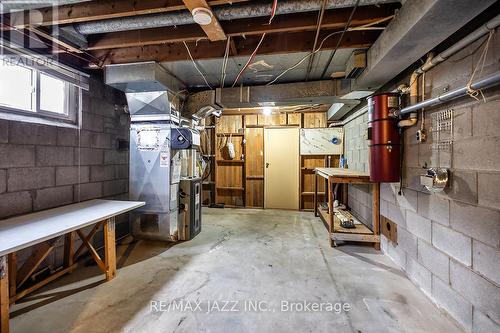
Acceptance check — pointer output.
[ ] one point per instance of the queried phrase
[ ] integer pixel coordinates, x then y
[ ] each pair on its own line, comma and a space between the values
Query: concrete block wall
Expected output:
449, 243
44, 166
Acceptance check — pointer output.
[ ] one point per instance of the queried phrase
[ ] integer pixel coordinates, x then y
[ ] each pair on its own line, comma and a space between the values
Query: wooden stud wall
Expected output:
240, 182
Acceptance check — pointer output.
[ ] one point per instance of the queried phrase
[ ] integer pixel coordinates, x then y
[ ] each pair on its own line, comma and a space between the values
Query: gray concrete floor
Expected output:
240, 256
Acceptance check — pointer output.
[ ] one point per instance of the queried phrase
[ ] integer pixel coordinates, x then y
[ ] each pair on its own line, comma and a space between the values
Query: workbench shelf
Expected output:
336, 177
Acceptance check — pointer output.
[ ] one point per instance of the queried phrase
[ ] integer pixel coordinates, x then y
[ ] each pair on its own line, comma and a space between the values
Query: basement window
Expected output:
37, 96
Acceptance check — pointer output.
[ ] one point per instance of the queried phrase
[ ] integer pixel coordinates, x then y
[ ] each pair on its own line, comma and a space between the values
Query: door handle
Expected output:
267, 165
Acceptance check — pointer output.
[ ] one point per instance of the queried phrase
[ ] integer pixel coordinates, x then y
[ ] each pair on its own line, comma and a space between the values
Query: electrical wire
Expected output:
316, 37
252, 56
196, 66
361, 27
224, 62
273, 10
340, 39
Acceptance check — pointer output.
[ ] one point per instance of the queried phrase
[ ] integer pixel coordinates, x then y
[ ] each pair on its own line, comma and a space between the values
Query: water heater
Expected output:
384, 138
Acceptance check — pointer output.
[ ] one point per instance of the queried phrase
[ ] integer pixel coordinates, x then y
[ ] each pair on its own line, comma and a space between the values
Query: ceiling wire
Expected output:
273, 10
252, 56
196, 66
224, 62
318, 29
340, 39
367, 26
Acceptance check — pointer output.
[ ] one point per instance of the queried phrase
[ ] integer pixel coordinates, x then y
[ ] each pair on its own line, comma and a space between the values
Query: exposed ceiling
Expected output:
93, 34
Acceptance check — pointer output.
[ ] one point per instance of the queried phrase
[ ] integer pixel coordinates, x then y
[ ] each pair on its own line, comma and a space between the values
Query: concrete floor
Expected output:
241, 255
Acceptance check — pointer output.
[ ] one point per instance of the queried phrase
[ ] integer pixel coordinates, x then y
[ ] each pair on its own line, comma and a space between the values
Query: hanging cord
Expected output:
340, 39
252, 56
474, 93
196, 66
273, 10
361, 27
224, 62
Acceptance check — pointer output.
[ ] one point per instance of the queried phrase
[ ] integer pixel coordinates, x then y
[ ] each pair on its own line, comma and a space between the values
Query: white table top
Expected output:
23, 231
341, 172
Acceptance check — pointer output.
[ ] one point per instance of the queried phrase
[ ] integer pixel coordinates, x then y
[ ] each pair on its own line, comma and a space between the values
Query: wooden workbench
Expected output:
333, 178
43, 229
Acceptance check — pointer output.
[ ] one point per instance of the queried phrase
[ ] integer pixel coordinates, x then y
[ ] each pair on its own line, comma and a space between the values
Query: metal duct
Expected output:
478, 33
483, 84
146, 86
223, 13
6, 6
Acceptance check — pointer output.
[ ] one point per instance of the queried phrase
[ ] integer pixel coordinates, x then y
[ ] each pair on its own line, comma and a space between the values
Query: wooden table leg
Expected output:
4, 295
12, 263
376, 211
110, 248
315, 194
69, 242
330, 212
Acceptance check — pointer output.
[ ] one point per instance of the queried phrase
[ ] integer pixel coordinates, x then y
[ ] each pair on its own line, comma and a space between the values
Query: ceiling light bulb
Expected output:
266, 111
202, 16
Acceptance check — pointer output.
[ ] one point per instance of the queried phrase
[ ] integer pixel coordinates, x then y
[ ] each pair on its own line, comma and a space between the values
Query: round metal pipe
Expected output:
469, 39
223, 13
483, 84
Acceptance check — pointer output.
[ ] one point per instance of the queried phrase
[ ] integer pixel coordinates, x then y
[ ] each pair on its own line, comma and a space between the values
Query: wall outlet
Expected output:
421, 135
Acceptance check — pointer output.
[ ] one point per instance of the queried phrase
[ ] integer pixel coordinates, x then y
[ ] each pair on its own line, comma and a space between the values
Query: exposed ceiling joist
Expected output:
273, 44
213, 29
103, 10
256, 26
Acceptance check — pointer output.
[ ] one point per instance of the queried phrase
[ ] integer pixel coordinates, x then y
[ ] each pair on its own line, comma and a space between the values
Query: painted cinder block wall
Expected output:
448, 243
45, 166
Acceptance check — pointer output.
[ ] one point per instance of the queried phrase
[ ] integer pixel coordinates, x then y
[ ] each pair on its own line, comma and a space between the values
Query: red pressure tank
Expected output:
384, 138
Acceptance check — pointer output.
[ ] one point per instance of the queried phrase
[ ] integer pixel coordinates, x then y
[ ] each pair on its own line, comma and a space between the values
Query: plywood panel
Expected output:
230, 197
294, 119
222, 151
255, 151
282, 174
229, 175
255, 193
315, 119
272, 120
251, 119
229, 124
254, 167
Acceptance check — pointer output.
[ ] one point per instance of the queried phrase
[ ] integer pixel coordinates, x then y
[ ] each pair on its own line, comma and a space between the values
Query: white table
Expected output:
43, 229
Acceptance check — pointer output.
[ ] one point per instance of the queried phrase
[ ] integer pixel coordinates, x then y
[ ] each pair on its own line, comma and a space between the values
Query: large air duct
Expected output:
223, 13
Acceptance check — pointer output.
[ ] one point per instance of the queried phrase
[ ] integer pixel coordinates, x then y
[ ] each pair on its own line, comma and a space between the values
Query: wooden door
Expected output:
281, 171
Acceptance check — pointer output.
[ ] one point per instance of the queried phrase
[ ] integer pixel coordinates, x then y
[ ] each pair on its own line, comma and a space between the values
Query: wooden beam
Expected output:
42, 283
273, 44
4, 295
53, 39
92, 251
213, 30
41, 251
110, 248
102, 10
245, 27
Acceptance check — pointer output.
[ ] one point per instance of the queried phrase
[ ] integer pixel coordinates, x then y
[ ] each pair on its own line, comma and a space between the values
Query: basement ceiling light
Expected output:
202, 16
266, 111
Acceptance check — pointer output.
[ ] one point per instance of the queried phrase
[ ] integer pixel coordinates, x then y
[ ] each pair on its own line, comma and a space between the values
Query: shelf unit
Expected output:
230, 182
307, 165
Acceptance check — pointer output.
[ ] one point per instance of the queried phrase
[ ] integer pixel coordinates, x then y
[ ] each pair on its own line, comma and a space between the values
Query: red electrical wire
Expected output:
273, 10
249, 60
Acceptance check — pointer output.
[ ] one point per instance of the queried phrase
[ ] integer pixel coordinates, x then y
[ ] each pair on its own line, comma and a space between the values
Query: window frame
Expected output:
72, 104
